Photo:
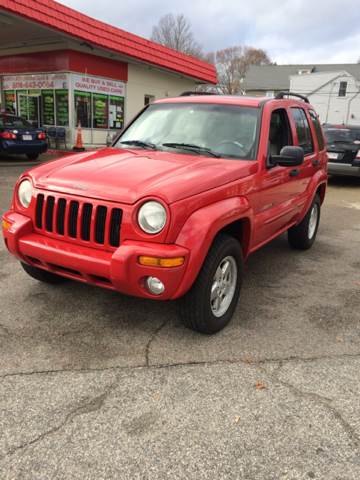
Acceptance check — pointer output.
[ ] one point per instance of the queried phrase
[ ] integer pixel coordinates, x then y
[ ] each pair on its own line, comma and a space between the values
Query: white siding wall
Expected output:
325, 97
144, 80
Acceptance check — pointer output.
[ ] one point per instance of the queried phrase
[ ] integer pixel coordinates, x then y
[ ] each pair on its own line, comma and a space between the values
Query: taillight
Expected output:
358, 154
8, 135
42, 136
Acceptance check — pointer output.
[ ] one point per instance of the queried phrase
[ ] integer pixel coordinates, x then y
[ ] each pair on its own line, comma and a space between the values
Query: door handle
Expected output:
294, 172
315, 163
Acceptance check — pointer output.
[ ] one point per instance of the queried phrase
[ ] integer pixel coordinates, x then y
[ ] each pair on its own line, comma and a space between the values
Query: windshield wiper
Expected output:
342, 141
139, 143
192, 147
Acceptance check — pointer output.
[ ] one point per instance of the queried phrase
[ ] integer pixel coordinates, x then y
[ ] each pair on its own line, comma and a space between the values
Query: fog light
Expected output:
155, 285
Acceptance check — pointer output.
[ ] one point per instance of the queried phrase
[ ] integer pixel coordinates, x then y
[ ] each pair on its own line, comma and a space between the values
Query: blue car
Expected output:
18, 136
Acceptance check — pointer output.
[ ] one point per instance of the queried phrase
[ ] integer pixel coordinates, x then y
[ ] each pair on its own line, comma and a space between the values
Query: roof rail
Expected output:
190, 94
281, 95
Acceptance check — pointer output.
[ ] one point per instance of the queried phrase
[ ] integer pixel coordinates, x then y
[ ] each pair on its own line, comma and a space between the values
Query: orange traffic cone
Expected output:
79, 146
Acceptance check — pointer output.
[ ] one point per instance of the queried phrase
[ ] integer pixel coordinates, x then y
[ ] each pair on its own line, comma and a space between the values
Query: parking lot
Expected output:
95, 385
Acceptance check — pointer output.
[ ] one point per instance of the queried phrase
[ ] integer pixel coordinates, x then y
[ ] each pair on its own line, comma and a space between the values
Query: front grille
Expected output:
78, 220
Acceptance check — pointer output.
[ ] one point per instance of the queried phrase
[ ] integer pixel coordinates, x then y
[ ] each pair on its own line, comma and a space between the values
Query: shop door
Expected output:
29, 108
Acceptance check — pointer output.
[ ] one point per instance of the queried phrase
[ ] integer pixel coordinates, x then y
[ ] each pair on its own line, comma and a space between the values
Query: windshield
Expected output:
8, 121
208, 129
338, 135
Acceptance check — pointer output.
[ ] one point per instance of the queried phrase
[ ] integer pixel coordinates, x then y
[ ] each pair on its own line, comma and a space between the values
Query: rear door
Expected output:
304, 138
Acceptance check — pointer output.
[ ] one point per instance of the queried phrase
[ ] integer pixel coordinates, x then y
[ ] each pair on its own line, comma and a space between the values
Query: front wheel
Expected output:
302, 236
209, 306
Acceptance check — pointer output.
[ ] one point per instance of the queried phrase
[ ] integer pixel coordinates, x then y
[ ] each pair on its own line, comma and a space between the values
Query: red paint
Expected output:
64, 61
53, 15
202, 196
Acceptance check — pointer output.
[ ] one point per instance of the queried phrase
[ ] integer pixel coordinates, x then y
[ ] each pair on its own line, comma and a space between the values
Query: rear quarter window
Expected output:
317, 127
303, 130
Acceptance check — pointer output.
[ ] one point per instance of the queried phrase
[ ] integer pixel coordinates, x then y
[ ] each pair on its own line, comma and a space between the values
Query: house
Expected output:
262, 80
59, 68
335, 95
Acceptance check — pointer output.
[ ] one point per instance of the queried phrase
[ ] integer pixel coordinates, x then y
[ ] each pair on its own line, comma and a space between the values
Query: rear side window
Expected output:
303, 130
318, 131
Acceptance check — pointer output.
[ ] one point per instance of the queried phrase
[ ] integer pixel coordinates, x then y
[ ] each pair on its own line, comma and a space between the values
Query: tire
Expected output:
32, 156
303, 236
42, 275
196, 310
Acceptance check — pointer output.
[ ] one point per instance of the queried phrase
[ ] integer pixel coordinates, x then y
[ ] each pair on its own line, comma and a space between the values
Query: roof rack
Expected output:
190, 94
281, 95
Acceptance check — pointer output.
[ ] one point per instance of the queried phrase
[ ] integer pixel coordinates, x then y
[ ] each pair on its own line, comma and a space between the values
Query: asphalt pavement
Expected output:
96, 385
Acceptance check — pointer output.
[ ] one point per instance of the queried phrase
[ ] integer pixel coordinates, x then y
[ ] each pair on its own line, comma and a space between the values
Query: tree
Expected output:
232, 64
175, 32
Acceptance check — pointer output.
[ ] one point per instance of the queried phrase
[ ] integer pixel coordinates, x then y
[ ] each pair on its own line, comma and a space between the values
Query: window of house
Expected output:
342, 89
303, 130
148, 99
279, 132
318, 131
62, 107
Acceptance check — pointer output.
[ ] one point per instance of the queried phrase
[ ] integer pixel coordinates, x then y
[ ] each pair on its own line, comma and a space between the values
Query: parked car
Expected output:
343, 145
173, 209
18, 136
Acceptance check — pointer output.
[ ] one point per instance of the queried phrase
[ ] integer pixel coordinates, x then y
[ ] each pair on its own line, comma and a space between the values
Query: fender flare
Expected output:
200, 229
319, 180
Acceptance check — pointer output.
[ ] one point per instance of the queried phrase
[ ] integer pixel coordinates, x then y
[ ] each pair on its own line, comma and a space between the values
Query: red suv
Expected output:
189, 189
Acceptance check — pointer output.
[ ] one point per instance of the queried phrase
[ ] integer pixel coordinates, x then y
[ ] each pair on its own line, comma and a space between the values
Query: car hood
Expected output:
125, 176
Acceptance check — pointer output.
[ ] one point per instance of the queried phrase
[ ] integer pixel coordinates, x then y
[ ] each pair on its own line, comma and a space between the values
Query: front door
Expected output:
275, 207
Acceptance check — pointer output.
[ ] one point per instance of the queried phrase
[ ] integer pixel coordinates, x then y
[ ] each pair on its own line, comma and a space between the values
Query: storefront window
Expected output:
100, 110
116, 112
48, 107
83, 108
10, 101
62, 108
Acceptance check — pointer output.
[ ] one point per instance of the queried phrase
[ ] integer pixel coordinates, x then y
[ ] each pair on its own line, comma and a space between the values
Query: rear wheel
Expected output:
42, 275
209, 306
302, 236
32, 156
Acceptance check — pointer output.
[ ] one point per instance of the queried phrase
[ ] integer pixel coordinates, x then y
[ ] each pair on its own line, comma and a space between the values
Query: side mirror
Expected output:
289, 157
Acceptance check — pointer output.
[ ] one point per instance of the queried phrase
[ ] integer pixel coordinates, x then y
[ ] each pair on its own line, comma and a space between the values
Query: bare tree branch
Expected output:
175, 32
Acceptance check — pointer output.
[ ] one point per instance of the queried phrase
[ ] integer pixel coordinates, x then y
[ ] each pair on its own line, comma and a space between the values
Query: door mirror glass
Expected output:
289, 157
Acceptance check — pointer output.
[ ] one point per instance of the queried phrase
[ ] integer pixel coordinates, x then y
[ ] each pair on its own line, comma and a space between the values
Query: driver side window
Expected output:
280, 133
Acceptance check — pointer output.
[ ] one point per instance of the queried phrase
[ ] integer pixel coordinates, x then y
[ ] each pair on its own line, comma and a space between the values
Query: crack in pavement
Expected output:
152, 338
84, 408
244, 360
316, 398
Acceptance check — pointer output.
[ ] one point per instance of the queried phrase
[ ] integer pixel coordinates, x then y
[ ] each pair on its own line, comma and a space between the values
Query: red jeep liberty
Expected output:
189, 189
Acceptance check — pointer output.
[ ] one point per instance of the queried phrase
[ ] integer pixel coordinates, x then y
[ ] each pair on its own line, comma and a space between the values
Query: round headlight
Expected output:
25, 193
152, 217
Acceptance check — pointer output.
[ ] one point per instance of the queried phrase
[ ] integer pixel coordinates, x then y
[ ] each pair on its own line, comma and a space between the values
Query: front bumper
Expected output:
345, 169
118, 270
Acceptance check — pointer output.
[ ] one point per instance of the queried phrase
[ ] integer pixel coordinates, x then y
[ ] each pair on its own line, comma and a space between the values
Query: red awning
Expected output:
75, 24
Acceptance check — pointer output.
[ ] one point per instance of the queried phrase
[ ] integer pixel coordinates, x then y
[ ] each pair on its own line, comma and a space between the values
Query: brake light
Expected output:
8, 135
42, 136
358, 154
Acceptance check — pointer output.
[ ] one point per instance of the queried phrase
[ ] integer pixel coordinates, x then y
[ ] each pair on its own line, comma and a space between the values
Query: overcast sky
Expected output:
291, 31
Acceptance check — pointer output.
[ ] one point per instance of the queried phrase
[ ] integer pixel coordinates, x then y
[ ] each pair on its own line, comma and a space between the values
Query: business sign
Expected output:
36, 82
86, 83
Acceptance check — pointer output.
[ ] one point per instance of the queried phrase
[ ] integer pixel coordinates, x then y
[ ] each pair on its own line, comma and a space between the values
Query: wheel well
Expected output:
321, 191
240, 229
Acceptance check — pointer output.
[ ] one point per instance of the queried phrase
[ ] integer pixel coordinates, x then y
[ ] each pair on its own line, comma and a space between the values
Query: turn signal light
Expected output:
5, 224
161, 262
